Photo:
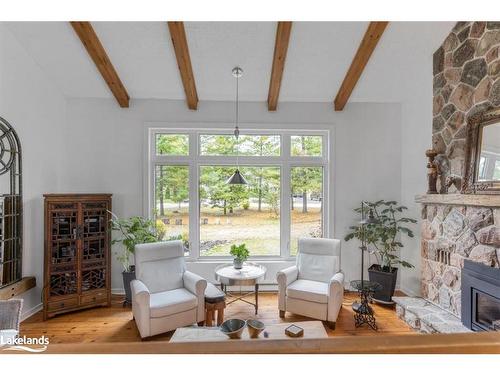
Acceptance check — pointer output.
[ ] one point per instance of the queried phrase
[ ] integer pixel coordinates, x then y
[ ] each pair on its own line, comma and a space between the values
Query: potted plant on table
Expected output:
132, 231
240, 254
383, 239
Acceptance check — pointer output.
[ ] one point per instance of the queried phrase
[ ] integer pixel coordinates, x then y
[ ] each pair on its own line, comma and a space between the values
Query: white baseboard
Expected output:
26, 314
262, 288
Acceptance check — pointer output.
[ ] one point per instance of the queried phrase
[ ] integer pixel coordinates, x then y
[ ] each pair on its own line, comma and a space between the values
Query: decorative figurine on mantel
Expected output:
432, 172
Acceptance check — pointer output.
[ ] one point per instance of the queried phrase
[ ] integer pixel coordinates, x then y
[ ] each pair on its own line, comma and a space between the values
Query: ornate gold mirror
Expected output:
482, 164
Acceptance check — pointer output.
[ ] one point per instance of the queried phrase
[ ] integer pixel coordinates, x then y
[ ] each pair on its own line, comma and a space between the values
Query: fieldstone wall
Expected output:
466, 72
450, 234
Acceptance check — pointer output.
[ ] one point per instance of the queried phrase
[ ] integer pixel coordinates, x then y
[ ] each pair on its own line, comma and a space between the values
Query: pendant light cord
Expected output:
237, 130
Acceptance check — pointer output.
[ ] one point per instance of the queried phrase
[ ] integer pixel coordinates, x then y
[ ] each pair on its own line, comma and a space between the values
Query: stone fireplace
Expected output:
456, 228
466, 81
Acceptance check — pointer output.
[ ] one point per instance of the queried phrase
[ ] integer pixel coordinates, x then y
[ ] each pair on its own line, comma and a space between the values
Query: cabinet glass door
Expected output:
63, 249
93, 264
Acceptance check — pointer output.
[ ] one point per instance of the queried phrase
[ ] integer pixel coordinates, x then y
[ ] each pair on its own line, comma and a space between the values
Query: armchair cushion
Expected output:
160, 265
318, 259
308, 290
317, 267
171, 302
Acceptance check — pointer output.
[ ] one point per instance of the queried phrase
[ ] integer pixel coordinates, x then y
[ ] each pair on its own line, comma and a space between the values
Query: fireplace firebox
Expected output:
480, 297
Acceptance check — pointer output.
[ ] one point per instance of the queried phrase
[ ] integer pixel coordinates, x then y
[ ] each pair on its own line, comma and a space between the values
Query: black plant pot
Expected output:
128, 276
385, 278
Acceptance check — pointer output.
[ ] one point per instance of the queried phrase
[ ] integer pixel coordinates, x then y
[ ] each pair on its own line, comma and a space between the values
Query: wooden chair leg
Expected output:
209, 320
220, 316
282, 314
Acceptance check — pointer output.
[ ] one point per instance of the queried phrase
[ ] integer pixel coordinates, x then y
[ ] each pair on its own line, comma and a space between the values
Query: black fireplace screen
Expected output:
480, 297
487, 311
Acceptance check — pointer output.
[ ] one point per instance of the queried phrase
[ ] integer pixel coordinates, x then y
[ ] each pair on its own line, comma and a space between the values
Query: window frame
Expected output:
194, 161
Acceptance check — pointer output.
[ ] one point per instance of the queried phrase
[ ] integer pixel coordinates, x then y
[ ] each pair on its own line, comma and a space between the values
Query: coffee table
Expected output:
312, 330
250, 274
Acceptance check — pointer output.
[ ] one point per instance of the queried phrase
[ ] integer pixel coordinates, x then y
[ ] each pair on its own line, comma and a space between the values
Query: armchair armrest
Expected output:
196, 285
337, 280
141, 306
285, 277
335, 296
140, 292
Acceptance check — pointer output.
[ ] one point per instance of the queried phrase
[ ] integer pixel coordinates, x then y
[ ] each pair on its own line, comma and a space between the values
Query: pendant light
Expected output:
237, 178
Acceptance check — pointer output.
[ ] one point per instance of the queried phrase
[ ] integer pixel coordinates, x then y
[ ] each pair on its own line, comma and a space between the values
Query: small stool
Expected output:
215, 301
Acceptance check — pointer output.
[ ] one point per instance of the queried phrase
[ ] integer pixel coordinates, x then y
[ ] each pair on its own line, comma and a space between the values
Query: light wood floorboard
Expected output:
115, 324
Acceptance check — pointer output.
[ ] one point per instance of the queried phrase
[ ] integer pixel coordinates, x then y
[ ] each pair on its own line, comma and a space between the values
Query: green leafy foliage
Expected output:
382, 236
306, 145
172, 184
240, 252
172, 144
250, 145
263, 185
133, 231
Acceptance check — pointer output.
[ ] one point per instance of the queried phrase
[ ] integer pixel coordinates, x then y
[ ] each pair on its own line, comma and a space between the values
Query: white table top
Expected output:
250, 271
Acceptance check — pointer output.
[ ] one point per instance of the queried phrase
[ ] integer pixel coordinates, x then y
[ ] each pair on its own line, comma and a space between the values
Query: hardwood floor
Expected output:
115, 324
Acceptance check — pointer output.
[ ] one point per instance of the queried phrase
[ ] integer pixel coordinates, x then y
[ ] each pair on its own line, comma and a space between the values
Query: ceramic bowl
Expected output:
255, 327
233, 328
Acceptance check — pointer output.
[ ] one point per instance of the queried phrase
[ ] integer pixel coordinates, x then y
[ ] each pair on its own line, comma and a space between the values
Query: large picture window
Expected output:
235, 214
285, 198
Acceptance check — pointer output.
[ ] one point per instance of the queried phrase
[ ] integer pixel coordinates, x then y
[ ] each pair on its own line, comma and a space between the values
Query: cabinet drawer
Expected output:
94, 297
63, 304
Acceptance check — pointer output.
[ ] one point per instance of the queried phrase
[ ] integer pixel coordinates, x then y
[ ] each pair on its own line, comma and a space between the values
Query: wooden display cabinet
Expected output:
77, 273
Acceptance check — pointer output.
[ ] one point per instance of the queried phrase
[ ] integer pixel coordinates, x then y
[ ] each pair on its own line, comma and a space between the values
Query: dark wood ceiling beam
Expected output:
365, 50
280, 49
179, 40
97, 53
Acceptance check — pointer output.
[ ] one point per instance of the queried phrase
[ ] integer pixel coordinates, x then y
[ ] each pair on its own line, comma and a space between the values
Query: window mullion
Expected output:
194, 228
285, 213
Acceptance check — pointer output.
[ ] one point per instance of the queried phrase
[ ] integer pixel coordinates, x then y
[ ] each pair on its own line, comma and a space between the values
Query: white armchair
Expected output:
314, 287
164, 295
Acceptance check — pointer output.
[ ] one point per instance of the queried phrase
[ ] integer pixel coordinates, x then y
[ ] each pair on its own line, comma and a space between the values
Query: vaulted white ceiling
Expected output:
319, 55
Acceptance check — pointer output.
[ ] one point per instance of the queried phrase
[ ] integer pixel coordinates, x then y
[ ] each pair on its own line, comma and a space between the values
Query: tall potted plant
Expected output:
132, 231
383, 239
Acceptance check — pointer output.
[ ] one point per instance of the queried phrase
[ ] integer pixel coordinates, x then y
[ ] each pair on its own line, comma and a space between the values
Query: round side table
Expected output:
363, 313
250, 274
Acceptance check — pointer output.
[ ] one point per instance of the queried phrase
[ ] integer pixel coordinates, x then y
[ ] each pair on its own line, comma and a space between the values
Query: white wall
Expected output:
36, 110
416, 137
105, 150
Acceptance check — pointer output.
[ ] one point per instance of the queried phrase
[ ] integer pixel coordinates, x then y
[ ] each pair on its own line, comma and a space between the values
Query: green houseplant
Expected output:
240, 254
132, 231
383, 240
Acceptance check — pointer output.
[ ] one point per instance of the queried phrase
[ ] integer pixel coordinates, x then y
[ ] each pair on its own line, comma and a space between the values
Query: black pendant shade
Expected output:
236, 179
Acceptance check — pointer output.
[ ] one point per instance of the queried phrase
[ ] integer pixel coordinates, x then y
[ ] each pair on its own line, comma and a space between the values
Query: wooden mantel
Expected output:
482, 200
